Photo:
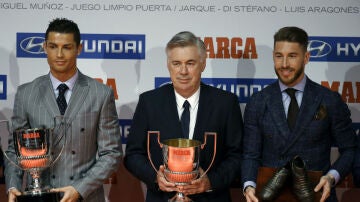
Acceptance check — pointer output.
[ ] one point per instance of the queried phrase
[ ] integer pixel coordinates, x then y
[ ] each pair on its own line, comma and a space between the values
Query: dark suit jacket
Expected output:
323, 118
218, 112
356, 168
93, 148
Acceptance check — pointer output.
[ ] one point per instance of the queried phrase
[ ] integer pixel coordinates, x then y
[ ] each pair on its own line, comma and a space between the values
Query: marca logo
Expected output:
96, 46
334, 49
243, 88
3, 87
31, 135
231, 48
125, 125
350, 92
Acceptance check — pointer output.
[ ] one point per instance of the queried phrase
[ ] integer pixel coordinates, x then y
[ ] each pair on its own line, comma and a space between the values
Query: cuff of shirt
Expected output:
249, 183
336, 176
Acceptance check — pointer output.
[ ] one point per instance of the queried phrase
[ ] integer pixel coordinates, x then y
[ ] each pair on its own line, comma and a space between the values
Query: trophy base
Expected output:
43, 197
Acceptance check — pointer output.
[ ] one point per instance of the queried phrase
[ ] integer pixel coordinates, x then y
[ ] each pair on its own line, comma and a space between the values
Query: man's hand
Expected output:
325, 184
70, 194
249, 194
13, 193
197, 186
164, 185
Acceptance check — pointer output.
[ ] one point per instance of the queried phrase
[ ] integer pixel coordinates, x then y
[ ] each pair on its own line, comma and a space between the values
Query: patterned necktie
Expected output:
61, 101
293, 108
185, 119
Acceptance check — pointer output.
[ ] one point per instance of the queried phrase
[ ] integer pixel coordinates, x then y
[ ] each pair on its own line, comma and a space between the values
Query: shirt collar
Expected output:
193, 100
70, 82
300, 86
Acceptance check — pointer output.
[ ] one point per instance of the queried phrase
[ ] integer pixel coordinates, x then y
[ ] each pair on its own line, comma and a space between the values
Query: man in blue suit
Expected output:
322, 118
211, 110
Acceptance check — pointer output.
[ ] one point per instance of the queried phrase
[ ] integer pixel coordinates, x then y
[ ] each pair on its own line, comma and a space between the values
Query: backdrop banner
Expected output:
124, 44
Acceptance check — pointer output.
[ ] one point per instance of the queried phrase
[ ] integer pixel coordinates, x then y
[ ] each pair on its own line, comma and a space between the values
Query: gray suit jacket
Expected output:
93, 146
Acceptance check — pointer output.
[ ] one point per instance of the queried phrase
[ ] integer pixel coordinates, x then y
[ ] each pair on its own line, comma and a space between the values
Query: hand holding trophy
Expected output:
181, 160
34, 150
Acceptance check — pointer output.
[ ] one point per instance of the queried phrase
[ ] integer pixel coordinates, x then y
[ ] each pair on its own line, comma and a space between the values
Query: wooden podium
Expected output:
286, 194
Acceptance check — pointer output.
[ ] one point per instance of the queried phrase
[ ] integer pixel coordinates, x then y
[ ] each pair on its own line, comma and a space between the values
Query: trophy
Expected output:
181, 160
35, 150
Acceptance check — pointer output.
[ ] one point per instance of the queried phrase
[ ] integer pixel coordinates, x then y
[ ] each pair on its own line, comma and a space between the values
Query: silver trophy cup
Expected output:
35, 150
181, 160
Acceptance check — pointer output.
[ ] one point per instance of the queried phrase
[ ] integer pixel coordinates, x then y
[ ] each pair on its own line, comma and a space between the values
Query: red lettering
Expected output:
111, 83
31, 135
347, 93
227, 48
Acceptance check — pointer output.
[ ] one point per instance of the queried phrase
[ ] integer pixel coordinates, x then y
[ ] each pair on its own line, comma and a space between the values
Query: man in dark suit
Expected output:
322, 117
93, 148
211, 110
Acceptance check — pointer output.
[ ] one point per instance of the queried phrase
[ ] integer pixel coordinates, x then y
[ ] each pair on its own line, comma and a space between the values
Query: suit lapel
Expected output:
204, 112
170, 114
80, 91
276, 108
309, 105
47, 92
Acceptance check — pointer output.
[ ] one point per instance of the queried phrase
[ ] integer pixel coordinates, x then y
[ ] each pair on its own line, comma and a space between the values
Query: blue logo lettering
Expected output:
241, 87
3, 87
334, 49
96, 46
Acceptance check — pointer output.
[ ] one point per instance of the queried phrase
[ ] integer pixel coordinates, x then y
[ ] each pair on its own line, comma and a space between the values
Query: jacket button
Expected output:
82, 129
71, 178
73, 152
53, 176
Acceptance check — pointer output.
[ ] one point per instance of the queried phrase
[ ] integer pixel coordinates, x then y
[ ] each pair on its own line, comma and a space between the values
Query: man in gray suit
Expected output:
322, 117
93, 149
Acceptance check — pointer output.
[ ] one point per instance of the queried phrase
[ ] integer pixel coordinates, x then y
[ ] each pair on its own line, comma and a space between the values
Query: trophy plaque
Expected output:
37, 149
181, 160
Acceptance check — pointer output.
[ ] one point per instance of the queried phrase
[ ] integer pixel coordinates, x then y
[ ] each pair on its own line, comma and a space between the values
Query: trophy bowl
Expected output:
181, 160
33, 151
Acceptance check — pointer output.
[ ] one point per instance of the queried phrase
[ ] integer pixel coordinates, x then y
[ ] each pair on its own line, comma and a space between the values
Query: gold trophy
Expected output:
181, 160
37, 149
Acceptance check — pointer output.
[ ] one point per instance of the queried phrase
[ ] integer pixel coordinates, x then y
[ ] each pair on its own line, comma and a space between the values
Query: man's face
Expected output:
61, 52
185, 67
289, 62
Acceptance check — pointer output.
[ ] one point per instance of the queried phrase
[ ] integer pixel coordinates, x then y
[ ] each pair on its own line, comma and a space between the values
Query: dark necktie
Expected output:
185, 119
61, 101
293, 108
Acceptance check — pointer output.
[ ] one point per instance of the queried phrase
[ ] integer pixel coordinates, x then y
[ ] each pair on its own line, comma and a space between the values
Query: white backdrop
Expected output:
245, 24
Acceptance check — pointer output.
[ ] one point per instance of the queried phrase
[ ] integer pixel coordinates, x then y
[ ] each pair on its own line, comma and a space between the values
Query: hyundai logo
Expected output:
33, 45
318, 48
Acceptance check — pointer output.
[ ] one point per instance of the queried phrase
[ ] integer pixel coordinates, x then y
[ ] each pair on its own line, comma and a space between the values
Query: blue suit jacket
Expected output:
218, 112
323, 118
356, 168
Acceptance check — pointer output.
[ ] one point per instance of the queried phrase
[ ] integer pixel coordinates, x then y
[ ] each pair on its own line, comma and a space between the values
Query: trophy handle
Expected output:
148, 145
203, 145
7, 128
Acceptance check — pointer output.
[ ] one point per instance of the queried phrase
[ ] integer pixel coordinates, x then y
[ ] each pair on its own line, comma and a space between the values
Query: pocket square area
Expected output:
321, 113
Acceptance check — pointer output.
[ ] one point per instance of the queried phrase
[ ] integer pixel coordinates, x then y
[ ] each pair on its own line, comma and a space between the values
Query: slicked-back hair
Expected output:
292, 34
185, 39
65, 26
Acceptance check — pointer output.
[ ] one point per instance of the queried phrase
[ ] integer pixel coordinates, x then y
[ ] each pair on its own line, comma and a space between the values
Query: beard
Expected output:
291, 81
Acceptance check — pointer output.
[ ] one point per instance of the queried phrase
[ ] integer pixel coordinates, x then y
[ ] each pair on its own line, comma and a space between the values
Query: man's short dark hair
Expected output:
65, 26
292, 34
